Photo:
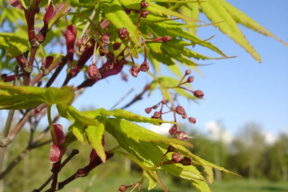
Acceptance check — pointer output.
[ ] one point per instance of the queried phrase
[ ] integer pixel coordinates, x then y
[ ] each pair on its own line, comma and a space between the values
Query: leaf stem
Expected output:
114, 149
54, 137
5, 134
128, 93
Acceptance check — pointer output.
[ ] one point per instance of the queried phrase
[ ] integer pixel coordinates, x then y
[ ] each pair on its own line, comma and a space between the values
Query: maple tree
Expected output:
116, 32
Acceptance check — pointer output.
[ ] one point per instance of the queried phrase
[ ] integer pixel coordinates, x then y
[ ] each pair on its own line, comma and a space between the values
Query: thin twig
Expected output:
5, 134
137, 97
87, 24
8, 124
91, 182
128, 93
20, 125
29, 68
54, 76
41, 74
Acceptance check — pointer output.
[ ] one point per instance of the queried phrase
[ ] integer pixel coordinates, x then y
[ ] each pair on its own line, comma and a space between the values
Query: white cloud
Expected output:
162, 130
269, 137
217, 133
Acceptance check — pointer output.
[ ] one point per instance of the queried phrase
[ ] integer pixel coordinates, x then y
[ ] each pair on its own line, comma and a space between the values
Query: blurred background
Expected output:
242, 123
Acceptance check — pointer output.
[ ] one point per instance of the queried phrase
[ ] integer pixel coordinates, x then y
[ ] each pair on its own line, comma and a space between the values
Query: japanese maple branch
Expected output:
45, 72
137, 97
29, 68
73, 153
128, 93
6, 141
5, 134
55, 74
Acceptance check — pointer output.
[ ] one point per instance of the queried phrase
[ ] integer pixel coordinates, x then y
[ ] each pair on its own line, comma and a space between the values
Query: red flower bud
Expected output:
116, 46
157, 114
122, 188
105, 38
93, 71
144, 4
123, 33
148, 110
159, 39
173, 130
104, 23
180, 110
181, 135
57, 151
192, 120
134, 71
167, 38
144, 13
190, 79
186, 161
144, 66
177, 157
79, 42
188, 72
170, 148
199, 94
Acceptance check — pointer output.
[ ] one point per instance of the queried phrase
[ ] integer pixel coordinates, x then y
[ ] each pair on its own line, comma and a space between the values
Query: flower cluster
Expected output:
181, 135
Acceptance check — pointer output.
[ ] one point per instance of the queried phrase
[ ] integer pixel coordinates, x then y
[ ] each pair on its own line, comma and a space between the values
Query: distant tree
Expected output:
278, 159
249, 146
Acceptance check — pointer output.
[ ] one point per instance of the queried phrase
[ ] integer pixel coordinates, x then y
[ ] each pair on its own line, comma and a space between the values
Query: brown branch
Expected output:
128, 93
5, 134
29, 68
55, 74
137, 97
6, 141
83, 172
45, 72
14, 163
73, 153
55, 170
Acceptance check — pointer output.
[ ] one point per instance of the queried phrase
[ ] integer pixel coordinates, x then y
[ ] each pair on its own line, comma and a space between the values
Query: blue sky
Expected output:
236, 90
241, 90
